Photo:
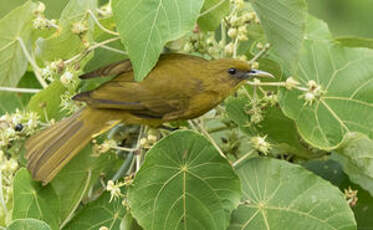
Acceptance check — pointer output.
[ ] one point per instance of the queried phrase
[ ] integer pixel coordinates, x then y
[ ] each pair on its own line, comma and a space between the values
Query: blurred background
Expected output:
344, 17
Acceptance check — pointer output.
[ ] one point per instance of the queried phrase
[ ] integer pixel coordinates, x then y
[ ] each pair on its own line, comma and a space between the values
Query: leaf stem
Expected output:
90, 49
124, 167
115, 50
235, 47
33, 63
19, 90
143, 130
203, 130
212, 8
244, 157
126, 149
100, 25
2, 194
279, 84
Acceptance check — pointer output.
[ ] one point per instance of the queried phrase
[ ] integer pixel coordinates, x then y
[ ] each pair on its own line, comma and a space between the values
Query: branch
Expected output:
100, 25
19, 90
33, 63
90, 49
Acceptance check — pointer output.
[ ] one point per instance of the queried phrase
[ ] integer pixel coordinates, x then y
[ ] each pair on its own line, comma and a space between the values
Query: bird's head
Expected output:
235, 70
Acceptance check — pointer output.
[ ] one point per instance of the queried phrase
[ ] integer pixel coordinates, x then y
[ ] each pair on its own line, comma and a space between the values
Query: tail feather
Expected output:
49, 151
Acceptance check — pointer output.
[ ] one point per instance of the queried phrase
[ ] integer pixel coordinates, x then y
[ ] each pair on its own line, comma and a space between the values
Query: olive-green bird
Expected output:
179, 87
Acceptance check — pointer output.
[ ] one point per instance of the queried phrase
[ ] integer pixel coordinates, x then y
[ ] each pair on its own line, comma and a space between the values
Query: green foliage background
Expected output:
314, 153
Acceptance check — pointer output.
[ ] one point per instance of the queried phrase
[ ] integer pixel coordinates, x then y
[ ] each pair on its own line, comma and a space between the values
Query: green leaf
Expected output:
355, 42
11, 101
332, 171
146, 26
99, 213
55, 47
356, 156
48, 101
212, 13
103, 57
184, 184
129, 223
346, 76
31, 200
280, 130
74, 180
283, 22
28, 224
17, 24
279, 195
235, 108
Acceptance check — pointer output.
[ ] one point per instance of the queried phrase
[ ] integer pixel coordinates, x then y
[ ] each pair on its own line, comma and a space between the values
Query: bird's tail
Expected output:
50, 150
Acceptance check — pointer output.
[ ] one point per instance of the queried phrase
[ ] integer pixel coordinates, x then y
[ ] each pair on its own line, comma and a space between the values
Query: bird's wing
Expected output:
168, 88
134, 98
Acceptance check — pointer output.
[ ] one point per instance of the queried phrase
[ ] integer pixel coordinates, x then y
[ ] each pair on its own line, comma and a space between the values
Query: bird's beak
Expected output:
258, 73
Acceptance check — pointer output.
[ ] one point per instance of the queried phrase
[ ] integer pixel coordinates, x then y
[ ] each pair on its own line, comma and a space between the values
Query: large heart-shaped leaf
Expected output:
332, 171
346, 76
284, 24
279, 195
184, 184
17, 24
145, 26
356, 156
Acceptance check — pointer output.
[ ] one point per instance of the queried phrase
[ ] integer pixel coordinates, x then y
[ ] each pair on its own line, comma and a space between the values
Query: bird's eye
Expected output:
232, 71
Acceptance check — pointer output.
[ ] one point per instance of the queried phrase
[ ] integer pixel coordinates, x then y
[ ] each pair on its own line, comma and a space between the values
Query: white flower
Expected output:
260, 144
67, 77
291, 83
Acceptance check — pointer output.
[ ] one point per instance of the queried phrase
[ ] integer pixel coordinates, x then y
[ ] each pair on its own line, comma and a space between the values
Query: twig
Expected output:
100, 25
235, 47
2, 194
143, 129
87, 51
279, 84
124, 167
113, 49
217, 129
126, 149
19, 90
259, 54
208, 136
242, 158
33, 63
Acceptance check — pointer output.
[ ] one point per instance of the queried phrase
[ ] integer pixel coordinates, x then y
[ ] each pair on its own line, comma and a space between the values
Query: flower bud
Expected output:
67, 77
232, 32
291, 83
79, 28
40, 8
229, 49
242, 37
260, 144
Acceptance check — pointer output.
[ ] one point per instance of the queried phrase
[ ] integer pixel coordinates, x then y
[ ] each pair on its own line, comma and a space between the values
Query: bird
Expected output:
179, 87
